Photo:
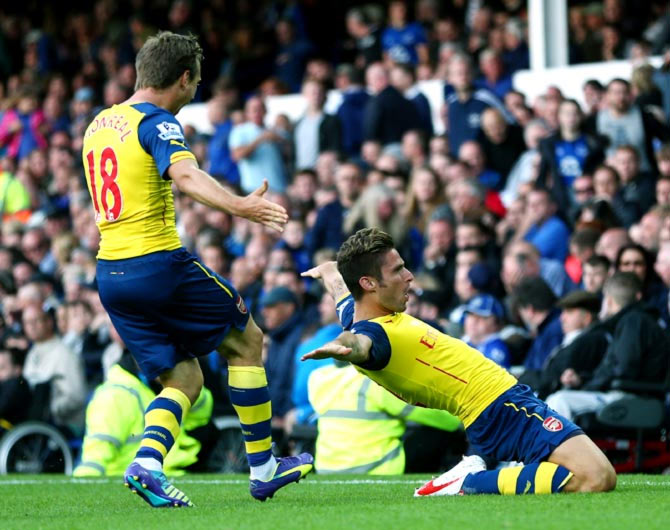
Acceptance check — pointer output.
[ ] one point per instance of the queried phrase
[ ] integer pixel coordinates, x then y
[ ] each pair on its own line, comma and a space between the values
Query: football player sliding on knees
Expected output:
425, 367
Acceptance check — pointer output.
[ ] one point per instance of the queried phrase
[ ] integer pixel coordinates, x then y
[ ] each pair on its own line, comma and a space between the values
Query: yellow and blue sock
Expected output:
250, 397
537, 479
162, 423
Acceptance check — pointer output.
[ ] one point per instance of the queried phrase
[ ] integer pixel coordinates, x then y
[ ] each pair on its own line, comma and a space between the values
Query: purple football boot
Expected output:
289, 469
153, 487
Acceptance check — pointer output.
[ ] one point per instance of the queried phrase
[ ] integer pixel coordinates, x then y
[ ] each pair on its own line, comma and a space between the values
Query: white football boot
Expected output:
451, 482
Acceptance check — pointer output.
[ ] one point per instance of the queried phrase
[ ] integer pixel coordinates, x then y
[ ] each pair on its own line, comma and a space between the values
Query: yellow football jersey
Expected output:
426, 367
126, 152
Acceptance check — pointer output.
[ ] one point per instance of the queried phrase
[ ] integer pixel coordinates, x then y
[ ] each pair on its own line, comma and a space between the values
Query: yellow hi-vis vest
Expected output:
115, 424
360, 423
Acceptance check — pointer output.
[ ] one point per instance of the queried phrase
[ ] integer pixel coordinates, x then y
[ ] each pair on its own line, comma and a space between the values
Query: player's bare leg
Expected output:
250, 397
591, 470
162, 420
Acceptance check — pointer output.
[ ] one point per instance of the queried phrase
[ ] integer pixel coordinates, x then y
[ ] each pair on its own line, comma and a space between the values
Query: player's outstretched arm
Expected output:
195, 183
346, 347
332, 279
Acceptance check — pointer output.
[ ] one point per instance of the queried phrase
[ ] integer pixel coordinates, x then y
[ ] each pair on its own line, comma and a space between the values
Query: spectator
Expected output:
484, 316
50, 361
403, 79
626, 124
634, 258
22, 127
85, 340
388, 114
493, 78
35, 247
607, 187
663, 191
352, 109
568, 154
403, 42
221, 164
536, 304
661, 78
301, 193
316, 131
439, 253
636, 189
367, 37
646, 93
472, 154
595, 272
611, 241
376, 208
582, 192
284, 326
516, 55
521, 259
14, 198
582, 246
293, 240
581, 350
647, 232
292, 55
15, 395
414, 147
327, 230
502, 143
593, 92
424, 196
466, 104
256, 150
543, 228
638, 351
526, 169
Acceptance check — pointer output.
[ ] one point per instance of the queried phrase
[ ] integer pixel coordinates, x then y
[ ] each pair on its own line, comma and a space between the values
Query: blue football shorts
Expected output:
519, 427
168, 307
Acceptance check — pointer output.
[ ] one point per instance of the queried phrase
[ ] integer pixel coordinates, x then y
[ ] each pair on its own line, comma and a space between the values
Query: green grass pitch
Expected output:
323, 502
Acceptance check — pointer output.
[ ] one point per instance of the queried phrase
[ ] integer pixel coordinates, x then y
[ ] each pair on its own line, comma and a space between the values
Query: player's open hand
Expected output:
260, 210
321, 271
330, 350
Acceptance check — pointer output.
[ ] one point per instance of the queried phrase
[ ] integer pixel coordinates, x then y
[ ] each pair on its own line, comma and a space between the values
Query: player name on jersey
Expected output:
116, 122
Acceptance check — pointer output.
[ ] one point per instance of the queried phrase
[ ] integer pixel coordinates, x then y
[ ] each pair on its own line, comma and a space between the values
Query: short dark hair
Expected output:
631, 149
595, 84
623, 287
536, 293
165, 57
306, 171
607, 167
618, 80
598, 261
362, 255
407, 69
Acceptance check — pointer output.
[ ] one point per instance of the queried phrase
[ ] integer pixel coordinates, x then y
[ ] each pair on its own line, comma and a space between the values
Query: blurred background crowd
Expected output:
512, 220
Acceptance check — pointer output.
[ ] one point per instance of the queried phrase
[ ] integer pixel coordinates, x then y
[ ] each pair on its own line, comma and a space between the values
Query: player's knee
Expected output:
253, 345
600, 479
196, 386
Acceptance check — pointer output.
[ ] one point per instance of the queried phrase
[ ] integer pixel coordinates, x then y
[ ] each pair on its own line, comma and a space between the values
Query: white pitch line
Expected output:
235, 482
25, 482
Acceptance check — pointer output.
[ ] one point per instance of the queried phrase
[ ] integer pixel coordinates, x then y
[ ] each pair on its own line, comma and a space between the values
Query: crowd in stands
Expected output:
538, 231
